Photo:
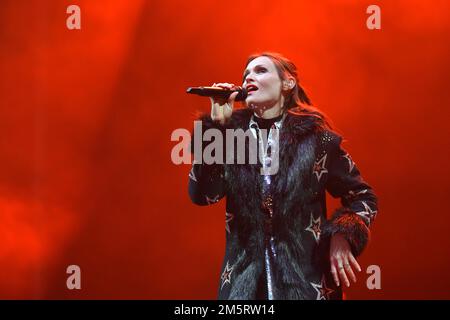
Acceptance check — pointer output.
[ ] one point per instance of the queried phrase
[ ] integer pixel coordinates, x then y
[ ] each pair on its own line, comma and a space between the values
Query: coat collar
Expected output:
294, 124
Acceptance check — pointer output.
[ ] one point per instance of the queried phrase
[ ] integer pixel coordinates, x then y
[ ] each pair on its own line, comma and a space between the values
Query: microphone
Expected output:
218, 92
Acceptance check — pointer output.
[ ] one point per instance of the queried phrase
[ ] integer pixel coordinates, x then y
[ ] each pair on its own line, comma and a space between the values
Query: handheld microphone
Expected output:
218, 92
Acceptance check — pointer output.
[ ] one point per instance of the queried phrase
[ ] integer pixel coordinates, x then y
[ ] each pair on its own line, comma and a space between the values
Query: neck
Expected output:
268, 113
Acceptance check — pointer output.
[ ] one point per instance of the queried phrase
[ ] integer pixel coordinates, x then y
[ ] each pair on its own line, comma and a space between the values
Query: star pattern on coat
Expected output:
319, 167
212, 200
192, 174
226, 275
228, 218
312, 155
368, 214
323, 292
351, 163
351, 195
314, 227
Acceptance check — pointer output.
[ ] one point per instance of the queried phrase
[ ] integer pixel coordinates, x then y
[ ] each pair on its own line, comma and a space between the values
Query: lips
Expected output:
250, 88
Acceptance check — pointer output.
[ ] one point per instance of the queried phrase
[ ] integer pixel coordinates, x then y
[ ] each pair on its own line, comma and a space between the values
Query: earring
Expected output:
287, 85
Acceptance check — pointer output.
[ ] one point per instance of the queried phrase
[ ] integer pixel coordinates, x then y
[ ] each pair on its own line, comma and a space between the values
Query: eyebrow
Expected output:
247, 71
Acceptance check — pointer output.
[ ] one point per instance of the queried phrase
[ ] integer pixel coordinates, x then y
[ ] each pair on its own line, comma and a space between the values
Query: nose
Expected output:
248, 79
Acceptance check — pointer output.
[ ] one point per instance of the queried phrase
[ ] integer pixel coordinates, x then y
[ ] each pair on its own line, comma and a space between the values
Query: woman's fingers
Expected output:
349, 271
224, 85
335, 274
233, 96
222, 108
341, 271
343, 276
353, 261
342, 260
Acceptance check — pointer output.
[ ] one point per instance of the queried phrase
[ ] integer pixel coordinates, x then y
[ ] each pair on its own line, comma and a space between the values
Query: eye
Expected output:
257, 69
261, 70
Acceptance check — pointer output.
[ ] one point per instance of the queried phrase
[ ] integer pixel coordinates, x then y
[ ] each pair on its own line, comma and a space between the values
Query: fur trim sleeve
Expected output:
206, 182
352, 226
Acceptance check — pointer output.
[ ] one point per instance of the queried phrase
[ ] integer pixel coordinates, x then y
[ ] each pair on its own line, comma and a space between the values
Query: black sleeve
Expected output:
206, 181
359, 202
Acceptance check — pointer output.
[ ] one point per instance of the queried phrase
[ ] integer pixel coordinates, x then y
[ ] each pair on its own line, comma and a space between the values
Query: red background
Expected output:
86, 116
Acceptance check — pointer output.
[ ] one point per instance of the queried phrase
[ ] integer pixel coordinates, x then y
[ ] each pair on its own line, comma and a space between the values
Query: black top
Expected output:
266, 123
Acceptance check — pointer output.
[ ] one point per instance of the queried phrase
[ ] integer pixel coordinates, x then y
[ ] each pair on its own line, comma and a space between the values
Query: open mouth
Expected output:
251, 88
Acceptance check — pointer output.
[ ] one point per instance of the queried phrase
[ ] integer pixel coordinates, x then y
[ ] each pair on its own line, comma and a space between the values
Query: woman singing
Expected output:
279, 242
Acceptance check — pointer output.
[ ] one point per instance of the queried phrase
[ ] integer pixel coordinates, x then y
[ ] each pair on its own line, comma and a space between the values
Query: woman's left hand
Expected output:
342, 260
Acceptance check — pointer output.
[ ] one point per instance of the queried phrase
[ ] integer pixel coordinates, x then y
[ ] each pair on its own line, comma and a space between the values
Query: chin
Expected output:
252, 104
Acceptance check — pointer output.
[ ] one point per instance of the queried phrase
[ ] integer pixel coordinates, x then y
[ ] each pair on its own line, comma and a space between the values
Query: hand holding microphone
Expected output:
222, 97
222, 108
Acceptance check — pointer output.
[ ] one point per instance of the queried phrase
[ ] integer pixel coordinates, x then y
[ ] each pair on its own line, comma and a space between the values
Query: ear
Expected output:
288, 84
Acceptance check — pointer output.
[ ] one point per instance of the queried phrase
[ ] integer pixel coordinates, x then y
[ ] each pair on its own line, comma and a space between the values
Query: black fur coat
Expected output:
311, 162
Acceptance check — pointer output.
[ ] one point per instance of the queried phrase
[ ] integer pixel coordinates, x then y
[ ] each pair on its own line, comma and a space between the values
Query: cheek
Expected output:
272, 86
271, 82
